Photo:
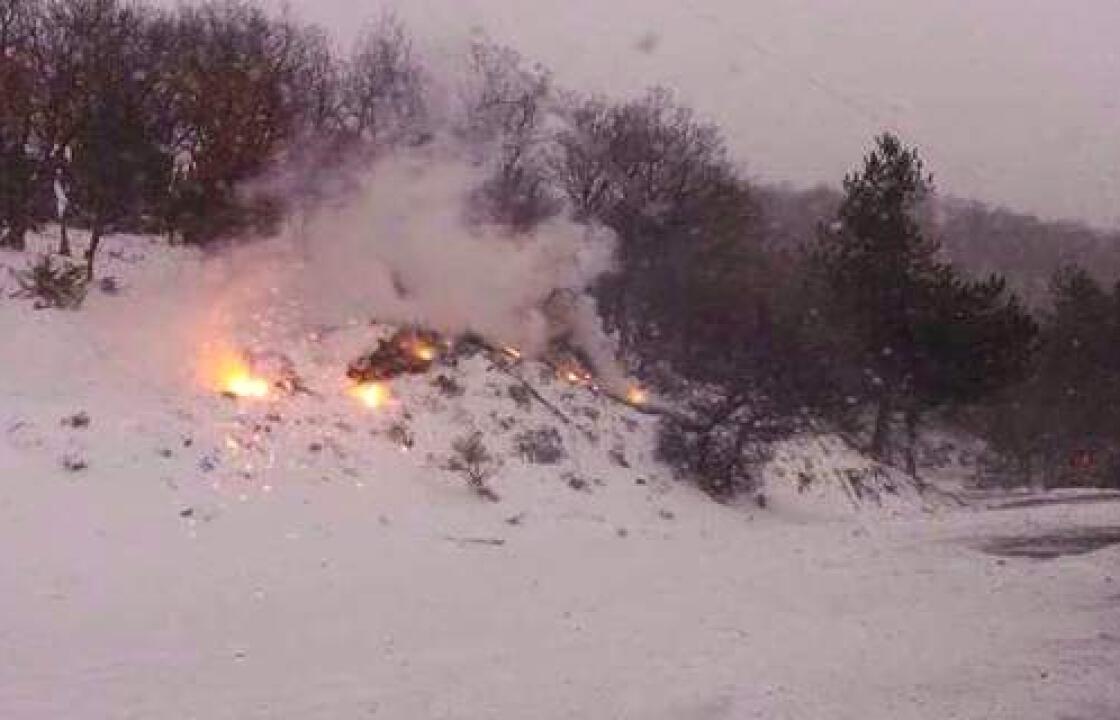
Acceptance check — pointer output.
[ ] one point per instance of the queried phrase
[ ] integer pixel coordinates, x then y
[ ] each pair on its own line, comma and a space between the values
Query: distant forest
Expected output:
863, 309
1025, 249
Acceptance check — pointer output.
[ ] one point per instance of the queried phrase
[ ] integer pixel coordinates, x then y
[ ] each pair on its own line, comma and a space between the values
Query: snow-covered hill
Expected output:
170, 552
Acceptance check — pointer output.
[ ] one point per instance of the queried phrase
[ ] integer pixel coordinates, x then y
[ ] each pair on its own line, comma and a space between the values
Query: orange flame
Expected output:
575, 374
637, 395
235, 377
427, 353
373, 395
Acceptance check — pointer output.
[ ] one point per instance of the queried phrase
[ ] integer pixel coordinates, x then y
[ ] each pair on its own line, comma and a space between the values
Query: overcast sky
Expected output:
1016, 102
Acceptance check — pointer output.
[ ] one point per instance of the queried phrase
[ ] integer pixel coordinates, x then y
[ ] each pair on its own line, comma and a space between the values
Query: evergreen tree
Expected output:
1062, 425
925, 335
1079, 375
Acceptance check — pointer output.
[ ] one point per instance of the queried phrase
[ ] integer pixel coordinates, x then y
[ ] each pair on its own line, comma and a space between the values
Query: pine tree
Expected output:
925, 335
877, 261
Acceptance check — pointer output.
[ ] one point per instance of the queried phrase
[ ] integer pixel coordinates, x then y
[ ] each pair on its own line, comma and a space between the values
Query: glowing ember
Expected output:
236, 378
574, 374
637, 396
427, 353
372, 395
247, 386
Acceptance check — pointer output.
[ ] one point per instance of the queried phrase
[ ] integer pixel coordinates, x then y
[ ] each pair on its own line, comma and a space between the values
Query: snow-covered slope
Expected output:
187, 555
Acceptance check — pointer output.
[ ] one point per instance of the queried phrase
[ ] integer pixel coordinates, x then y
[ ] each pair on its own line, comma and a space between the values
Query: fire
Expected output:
512, 352
247, 386
236, 378
373, 395
427, 353
637, 395
575, 374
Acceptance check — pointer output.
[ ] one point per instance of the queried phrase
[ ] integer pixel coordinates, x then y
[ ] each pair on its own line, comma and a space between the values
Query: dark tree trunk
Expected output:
64, 242
94, 241
912, 442
881, 434
1026, 467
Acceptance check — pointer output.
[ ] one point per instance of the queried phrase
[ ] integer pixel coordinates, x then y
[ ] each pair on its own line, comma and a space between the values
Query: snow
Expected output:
292, 559
822, 476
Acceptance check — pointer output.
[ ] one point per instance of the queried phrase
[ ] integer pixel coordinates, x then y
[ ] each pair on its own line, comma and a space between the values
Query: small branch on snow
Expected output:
463, 541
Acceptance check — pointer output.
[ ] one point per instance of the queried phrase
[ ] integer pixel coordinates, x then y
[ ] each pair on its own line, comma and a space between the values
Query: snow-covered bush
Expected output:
400, 434
471, 459
53, 284
719, 457
521, 396
448, 386
723, 441
541, 446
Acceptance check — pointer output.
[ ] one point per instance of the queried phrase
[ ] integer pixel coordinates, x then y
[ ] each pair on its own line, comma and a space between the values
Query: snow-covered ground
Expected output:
185, 555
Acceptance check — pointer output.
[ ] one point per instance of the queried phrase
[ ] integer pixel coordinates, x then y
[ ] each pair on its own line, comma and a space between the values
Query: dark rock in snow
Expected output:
575, 482
74, 463
77, 420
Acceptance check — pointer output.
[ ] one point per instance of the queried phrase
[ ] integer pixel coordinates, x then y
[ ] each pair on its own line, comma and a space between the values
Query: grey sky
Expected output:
1016, 102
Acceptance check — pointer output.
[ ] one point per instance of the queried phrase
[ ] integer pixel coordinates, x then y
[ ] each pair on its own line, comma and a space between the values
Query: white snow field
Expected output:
189, 556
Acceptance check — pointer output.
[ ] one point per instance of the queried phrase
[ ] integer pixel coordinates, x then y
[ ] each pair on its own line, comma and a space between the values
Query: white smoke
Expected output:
395, 244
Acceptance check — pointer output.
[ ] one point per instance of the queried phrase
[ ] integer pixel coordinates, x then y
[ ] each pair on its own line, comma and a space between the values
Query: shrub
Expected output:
719, 454
60, 284
448, 386
521, 397
541, 446
400, 434
471, 459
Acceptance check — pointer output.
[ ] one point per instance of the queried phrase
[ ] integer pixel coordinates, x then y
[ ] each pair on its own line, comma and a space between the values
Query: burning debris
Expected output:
238, 381
373, 395
575, 375
570, 363
637, 395
257, 375
410, 351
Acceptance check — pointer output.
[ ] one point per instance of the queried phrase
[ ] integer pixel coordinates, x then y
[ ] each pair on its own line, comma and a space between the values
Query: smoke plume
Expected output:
396, 243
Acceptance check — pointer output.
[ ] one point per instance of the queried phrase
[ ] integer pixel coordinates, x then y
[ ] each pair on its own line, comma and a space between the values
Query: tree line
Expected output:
767, 312
151, 119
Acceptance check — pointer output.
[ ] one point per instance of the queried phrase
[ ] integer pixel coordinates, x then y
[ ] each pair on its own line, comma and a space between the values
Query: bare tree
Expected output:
662, 181
382, 86
108, 156
471, 458
20, 136
506, 111
235, 88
